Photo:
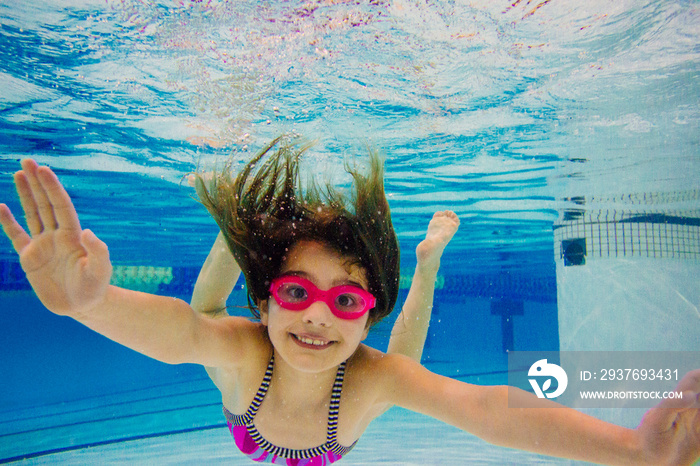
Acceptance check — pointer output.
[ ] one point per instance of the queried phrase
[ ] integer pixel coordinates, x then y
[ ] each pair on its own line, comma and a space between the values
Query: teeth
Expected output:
310, 341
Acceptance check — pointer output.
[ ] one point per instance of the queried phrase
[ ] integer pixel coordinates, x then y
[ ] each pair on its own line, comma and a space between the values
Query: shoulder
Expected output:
243, 325
233, 342
378, 366
379, 377
397, 380
244, 351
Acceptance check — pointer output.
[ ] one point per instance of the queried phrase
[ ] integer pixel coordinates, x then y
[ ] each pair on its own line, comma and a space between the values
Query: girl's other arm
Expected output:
213, 287
411, 326
216, 280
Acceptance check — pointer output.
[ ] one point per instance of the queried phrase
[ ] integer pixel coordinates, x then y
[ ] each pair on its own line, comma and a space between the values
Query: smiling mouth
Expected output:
309, 342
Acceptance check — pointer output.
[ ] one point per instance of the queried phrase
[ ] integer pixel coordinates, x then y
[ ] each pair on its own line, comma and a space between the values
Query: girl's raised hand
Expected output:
441, 229
68, 267
670, 431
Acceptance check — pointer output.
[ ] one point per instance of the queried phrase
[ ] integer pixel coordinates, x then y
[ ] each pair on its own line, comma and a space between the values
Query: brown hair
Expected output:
265, 210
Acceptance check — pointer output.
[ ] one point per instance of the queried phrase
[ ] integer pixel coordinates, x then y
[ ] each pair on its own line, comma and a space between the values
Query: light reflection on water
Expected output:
567, 99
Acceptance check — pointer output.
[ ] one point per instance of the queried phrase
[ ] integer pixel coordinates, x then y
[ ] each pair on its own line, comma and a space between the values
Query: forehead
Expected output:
322, 263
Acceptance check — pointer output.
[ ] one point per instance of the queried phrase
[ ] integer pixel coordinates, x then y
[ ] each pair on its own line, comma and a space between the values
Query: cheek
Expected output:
277, 317
365, 332
357, 328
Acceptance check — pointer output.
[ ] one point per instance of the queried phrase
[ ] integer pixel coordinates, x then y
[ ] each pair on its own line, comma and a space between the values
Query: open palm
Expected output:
68, 267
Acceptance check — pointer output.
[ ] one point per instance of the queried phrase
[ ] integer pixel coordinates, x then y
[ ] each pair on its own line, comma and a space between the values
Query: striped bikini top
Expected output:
251, 443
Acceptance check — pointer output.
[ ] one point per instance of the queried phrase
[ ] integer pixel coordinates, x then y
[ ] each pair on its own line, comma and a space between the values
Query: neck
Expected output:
301, 385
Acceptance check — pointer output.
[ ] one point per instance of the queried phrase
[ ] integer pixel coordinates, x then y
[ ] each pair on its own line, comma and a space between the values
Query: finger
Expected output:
62, 206
686, 399
690, 381
26, 199
20, 239
44, 207
665, 414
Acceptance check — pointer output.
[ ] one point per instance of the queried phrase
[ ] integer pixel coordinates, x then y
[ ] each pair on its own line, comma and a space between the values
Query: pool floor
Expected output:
398, 437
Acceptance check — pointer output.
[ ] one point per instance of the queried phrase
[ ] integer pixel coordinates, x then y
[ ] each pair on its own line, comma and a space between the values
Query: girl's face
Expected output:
314, 339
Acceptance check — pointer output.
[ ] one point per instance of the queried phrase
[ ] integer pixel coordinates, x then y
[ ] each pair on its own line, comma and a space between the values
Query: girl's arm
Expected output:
168, 329
215, 281
411, 326
69, 269
214, 284
668, 434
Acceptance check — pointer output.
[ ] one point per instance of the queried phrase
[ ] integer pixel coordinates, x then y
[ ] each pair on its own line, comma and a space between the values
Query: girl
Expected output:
299, 387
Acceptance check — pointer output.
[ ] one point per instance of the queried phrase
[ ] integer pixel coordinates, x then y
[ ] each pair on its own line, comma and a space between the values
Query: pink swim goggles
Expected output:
296, 293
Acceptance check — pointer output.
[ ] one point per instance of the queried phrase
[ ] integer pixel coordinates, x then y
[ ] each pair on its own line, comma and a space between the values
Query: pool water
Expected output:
533, 120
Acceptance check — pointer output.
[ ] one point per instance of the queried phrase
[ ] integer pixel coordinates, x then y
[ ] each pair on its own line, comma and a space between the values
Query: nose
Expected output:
318, 314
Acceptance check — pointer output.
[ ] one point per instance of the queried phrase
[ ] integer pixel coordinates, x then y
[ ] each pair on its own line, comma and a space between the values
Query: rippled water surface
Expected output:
498, 110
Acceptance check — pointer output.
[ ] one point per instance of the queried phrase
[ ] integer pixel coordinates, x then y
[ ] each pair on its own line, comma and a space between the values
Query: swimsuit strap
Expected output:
262, 391
335, 404
331, 444
332, 409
